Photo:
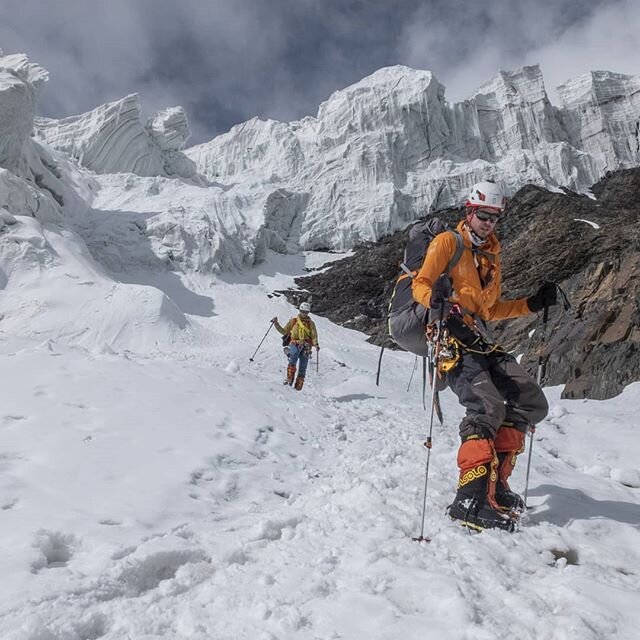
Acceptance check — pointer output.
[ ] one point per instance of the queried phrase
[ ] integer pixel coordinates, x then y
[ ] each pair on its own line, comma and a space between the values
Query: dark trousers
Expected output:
495, 389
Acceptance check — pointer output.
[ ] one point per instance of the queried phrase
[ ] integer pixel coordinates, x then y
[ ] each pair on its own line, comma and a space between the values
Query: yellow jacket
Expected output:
301, 329
477, 287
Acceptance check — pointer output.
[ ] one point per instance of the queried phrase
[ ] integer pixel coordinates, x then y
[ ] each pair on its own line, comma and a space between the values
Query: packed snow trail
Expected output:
192, 495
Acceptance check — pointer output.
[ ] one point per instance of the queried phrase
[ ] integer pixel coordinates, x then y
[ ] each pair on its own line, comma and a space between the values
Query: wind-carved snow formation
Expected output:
379, 154
55, 285
29, 184
113, 139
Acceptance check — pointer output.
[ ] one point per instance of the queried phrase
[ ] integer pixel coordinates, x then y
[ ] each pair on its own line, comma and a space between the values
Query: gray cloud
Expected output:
566, 37
226, 61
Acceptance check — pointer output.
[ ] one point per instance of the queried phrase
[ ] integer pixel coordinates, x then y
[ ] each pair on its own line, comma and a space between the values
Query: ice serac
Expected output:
113, 139
20, 83
267, 150
42, 264
369, 137
109, 139
601, 113
389, 148
29, 184
169, 129
512, 111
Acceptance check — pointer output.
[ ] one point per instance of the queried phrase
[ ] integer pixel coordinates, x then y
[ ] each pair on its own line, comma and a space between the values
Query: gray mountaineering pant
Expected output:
495, 389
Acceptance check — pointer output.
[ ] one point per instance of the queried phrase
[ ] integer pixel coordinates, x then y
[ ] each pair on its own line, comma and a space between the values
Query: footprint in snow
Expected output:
275, 529
263, 434
168, 558
219, 483
55, 549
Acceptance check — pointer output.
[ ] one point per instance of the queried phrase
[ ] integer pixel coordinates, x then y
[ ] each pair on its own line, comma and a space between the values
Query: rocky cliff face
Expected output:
590, 246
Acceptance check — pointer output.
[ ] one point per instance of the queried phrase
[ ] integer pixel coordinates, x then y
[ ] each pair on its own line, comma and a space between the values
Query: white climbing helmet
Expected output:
305, 307
487, 195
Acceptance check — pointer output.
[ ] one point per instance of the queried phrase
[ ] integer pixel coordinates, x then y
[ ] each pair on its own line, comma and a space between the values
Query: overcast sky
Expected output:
226, 61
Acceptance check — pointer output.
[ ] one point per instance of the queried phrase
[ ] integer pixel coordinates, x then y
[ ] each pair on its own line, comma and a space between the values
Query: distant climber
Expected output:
304, 335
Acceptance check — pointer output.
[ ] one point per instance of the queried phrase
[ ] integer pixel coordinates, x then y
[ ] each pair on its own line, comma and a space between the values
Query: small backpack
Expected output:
286, 338
407, 318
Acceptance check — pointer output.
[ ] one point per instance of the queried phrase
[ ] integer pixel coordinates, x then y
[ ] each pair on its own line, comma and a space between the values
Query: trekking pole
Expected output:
379, 365
415, 366
261, 341
317, 361
429, 443
424, 383
532, 428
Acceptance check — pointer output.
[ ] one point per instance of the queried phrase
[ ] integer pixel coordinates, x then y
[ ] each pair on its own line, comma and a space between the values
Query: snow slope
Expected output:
183, 492
154, 483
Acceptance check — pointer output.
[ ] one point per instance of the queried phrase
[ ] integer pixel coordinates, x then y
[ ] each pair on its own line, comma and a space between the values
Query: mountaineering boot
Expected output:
509, 500
509, 443
291, 374
474, 505
477, 515
299, 383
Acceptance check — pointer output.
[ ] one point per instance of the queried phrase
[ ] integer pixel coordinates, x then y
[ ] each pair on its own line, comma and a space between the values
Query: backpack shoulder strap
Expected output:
458, 252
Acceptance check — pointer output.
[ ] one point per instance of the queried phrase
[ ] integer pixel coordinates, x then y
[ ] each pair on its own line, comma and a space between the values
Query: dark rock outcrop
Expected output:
594, 348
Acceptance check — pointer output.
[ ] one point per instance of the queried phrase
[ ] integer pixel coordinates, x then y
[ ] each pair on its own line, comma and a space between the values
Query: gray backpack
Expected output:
407, 318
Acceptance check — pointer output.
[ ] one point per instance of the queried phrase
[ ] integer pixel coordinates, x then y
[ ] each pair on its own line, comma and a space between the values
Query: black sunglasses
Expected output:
486, 216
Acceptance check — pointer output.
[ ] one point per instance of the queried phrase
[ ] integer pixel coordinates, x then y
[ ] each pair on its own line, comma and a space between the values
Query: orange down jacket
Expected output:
477, 287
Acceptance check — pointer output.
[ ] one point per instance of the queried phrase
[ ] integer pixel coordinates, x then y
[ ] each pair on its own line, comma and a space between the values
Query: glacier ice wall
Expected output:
601, 114
390, 148
379, 154
54, 282
29, 184
113, 139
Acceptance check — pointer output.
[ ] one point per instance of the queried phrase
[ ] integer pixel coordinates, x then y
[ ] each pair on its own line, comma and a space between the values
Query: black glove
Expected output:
545, 296
440, 292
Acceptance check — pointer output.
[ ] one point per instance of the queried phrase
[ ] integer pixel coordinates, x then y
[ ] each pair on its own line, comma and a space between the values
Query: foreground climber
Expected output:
502, 401
304, 336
